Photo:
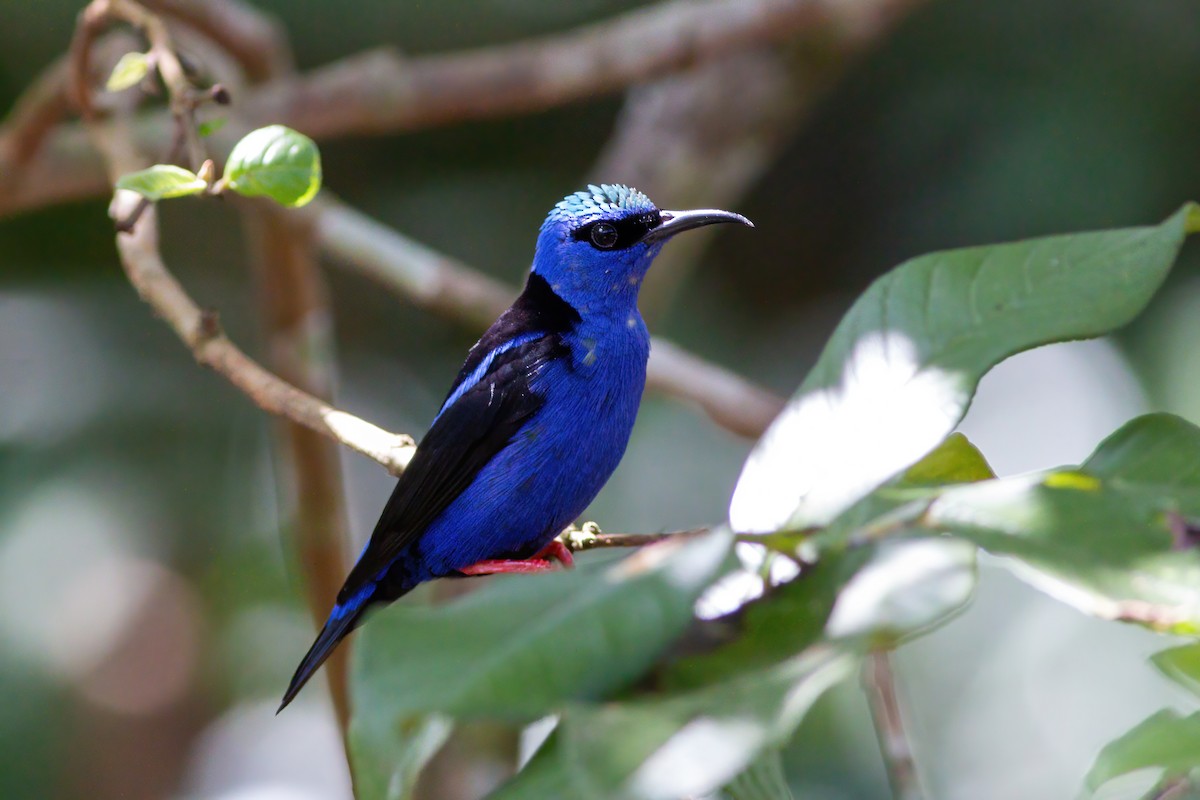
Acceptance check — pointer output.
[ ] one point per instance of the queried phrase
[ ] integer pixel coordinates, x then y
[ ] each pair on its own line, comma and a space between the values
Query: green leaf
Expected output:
1102, 537
762, 780
1181, 664
275, 162
211, 126
900, 369
162, 182
906, 589
129, 71
771, 629
679, 746
519, 647
1165, 740
955, 460
387, 755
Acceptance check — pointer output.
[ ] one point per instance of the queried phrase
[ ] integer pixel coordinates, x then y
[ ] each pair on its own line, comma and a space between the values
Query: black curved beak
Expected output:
674, 222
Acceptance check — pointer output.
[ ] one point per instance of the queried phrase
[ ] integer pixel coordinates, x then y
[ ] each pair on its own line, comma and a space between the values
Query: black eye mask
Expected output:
618, 234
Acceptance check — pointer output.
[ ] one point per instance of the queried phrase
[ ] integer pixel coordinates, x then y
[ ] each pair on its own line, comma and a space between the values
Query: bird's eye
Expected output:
604, 235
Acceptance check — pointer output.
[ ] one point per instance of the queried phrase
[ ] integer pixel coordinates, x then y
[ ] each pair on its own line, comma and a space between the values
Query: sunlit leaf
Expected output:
162, 182
521, 646
955, 460
1166, 740
1105, 537
275, 162
129, 71
679, 746
1181, 664
900, 369
908, 587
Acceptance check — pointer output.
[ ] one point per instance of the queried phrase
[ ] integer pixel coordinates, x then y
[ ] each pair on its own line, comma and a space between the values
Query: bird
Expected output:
536, 421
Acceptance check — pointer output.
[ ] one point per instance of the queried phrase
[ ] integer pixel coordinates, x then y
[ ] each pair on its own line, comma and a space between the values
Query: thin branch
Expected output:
383, 92
297, 323
589, 537
199, 329
440, 283
879, 681
254, 39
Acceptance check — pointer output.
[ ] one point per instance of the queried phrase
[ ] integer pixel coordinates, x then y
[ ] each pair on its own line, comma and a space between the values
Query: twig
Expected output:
199, 329
441, 284
254, 39
298, 328
589, 537
880, 684
382, 92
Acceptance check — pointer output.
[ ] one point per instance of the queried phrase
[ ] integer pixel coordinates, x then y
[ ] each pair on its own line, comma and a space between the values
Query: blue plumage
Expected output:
537, 419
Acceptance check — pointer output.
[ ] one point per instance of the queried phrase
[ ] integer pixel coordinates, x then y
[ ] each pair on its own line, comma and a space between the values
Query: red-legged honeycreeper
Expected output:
535, 422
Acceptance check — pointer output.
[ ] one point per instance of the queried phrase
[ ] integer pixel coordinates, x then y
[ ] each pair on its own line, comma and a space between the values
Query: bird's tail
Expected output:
344, 618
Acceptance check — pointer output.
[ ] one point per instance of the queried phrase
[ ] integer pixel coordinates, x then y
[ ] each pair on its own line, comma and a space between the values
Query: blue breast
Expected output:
556, 464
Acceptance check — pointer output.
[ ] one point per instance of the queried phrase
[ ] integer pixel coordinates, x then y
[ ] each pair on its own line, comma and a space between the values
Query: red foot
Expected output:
558, 551
540, 562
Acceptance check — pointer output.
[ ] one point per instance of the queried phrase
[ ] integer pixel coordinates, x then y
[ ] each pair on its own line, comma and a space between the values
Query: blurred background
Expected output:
150, 609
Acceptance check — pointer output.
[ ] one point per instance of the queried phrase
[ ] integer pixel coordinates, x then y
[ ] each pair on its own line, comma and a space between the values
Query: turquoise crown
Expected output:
597, 200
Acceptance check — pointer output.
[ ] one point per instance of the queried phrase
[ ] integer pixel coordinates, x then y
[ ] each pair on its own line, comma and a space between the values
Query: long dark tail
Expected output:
342, 620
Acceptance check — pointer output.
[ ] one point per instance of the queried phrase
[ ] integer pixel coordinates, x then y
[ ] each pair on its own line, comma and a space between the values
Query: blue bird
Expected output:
536, 421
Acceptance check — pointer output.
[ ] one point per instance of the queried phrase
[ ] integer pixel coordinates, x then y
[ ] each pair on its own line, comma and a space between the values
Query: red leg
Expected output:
498, 566
542, 561
558, 551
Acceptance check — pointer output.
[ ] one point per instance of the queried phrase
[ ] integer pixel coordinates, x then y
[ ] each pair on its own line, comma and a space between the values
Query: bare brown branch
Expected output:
297, 325
383, 92
201, 332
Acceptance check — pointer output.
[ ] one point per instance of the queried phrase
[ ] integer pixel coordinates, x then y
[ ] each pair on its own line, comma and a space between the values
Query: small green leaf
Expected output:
1181, 664
129, 71
162, 182
275, 162
211, 126
955, 460
1165, 740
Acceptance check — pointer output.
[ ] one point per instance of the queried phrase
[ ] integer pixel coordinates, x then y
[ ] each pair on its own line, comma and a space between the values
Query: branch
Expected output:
439, 283
382, 92
254, 39
879, 681
588, 537
297, 323
199, 329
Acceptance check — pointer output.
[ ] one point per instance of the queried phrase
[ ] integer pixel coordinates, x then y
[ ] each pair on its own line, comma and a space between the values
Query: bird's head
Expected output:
596, 245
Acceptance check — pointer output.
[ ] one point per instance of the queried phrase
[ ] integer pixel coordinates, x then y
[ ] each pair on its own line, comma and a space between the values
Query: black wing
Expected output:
463, 439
